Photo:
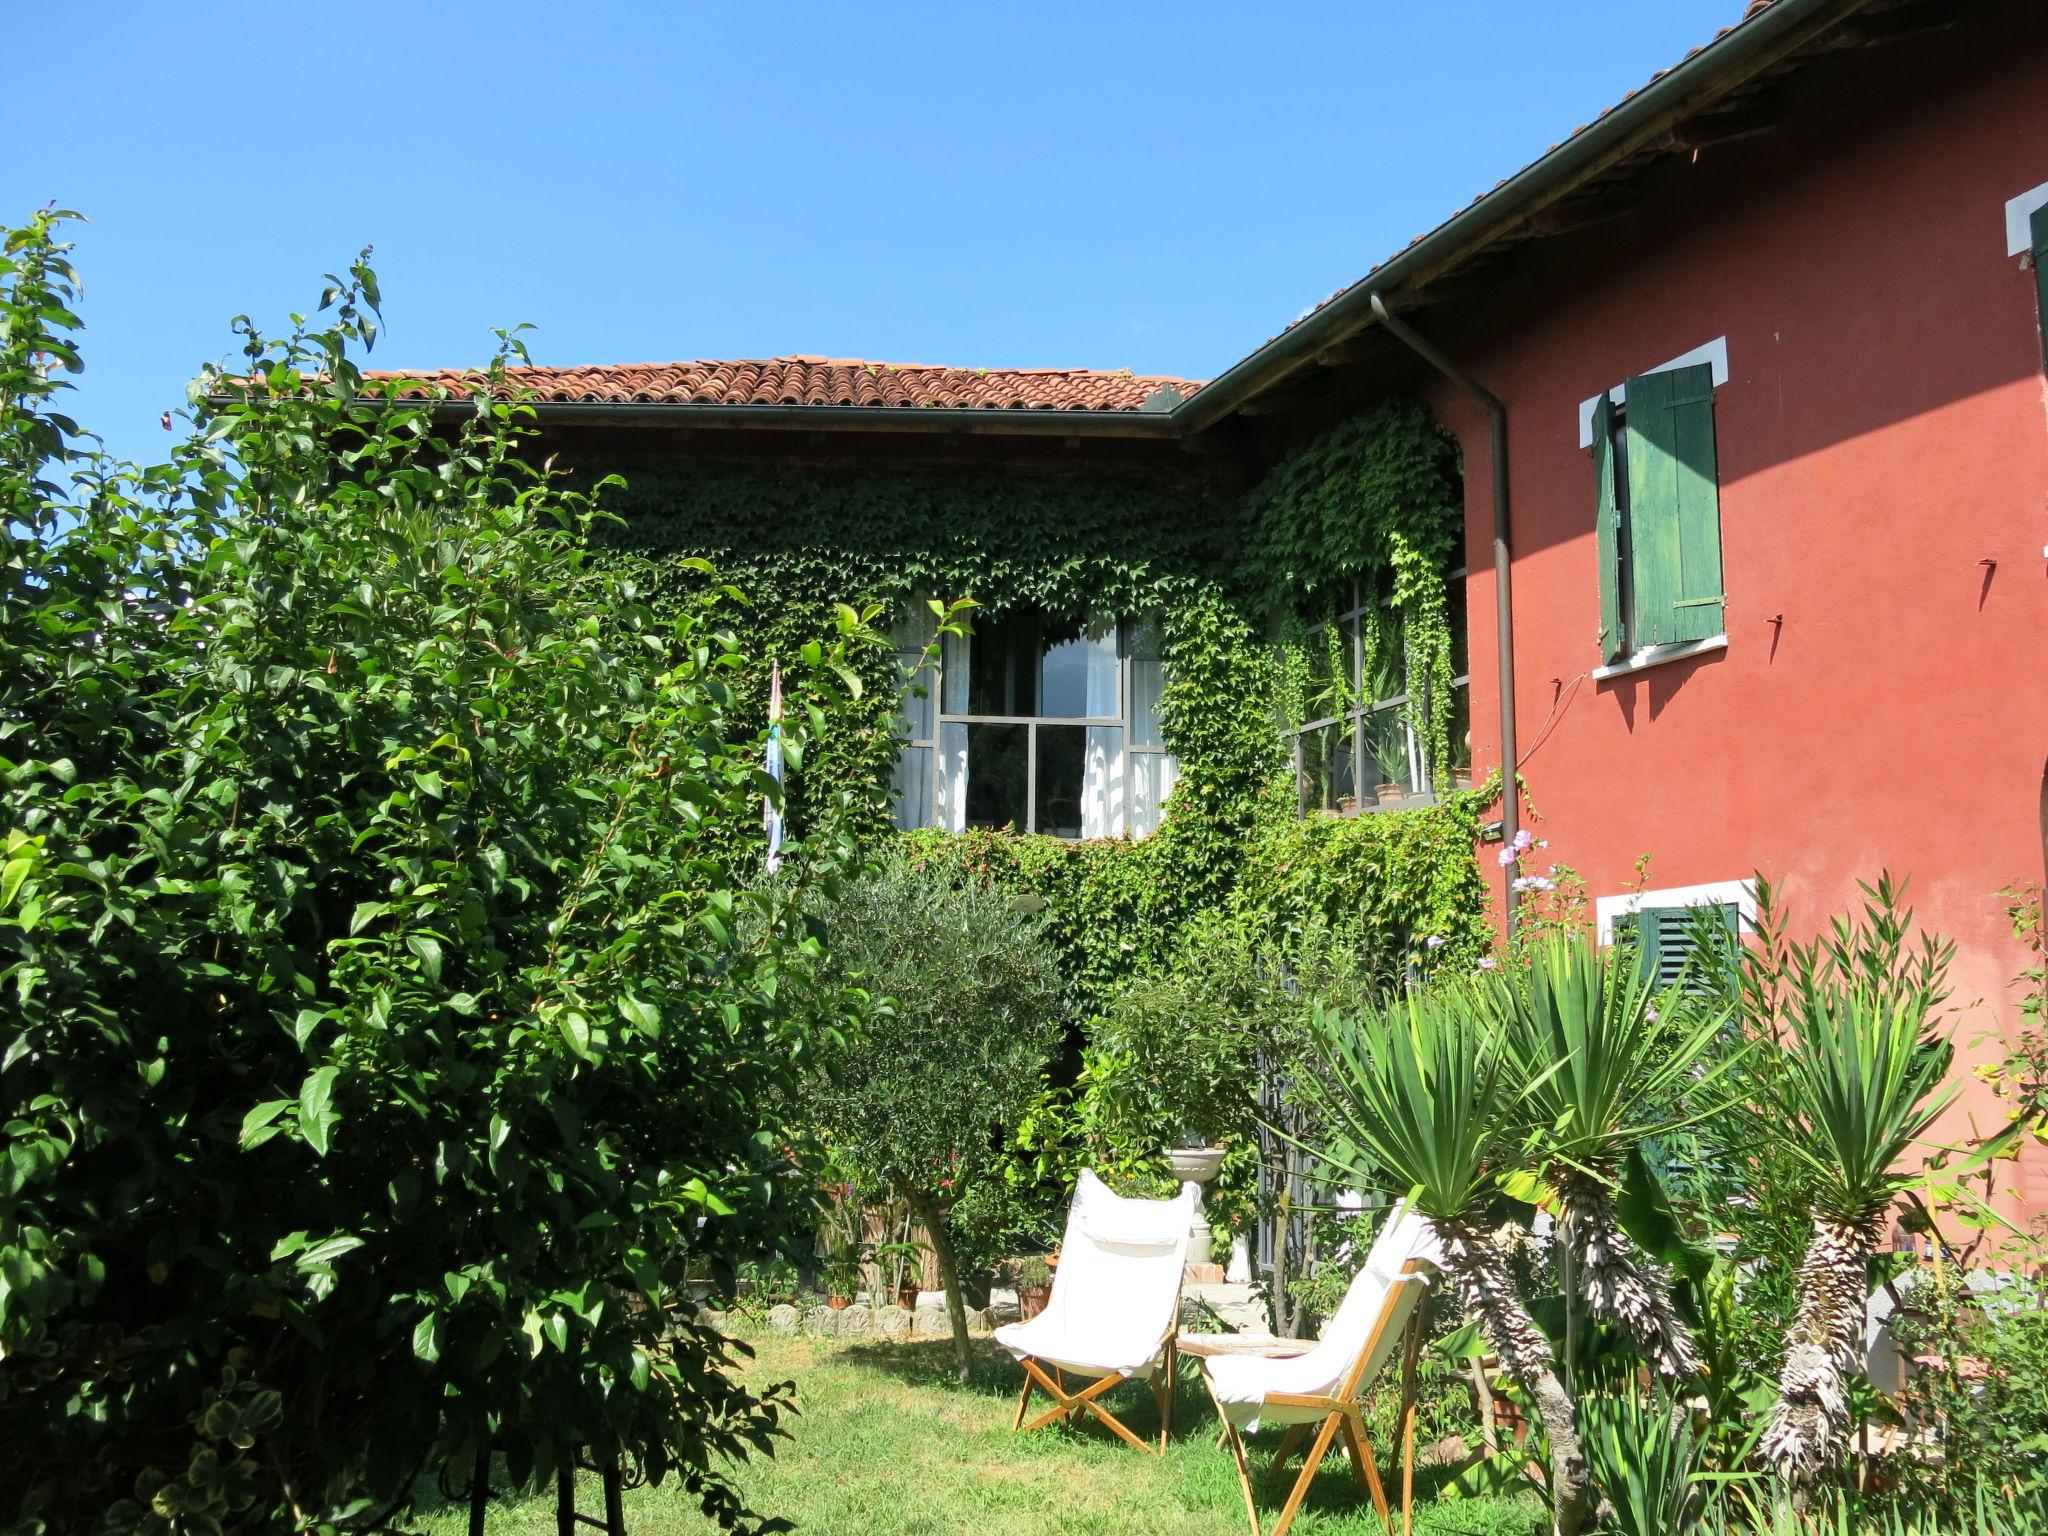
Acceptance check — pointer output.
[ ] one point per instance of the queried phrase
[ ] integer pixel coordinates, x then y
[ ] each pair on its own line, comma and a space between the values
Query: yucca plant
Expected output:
1607, 1060
1423, 1103
1860, 1083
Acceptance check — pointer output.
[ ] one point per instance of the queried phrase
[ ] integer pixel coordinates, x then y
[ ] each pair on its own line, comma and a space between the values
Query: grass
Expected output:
889, 1443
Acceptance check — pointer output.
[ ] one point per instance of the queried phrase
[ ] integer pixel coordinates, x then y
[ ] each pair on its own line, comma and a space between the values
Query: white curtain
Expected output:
1153, 775
952, 777
1102, 779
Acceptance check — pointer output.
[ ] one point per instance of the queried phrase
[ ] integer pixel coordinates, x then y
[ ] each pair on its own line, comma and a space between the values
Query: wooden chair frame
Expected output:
1340, 1415
1066, 1404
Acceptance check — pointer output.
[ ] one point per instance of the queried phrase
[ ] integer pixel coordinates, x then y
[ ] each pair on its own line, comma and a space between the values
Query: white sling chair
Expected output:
1114, 1310
1323, 1384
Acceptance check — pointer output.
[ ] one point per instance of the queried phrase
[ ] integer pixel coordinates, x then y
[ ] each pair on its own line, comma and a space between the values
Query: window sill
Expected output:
1420, 801
1657, 655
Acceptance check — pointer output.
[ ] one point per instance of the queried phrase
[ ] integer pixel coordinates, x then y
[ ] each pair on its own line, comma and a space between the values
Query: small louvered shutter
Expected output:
1674, 506
1668, 938
2038, 224
1607, 533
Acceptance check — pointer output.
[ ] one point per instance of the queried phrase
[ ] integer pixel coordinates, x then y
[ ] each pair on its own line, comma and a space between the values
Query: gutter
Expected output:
1155, 425
1503, 587
1750, 46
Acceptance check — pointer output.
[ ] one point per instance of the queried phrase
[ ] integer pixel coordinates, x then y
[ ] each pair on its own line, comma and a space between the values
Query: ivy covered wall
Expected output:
1232, 580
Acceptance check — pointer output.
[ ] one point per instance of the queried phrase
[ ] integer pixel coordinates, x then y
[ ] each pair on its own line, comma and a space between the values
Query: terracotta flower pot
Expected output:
838, 1303
1031, 1301
906, 1295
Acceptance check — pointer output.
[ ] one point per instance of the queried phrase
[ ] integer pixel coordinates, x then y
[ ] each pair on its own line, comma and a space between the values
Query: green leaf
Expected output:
426, 1338
261, 1116
428, 948
317, 1116
575, 1030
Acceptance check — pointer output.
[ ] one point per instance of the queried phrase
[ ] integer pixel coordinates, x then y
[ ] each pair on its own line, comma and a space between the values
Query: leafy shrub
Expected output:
380, 1060
922, 1103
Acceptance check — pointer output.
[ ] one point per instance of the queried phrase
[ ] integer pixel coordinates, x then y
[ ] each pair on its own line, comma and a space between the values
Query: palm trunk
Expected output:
1621, 1282
1475, 1266
1810, 1420
949, 1277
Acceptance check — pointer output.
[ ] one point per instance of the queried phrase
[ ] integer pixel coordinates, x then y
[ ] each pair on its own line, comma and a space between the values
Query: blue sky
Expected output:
1109, 185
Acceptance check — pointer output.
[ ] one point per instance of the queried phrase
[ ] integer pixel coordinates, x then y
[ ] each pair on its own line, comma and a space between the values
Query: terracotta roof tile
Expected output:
818, 381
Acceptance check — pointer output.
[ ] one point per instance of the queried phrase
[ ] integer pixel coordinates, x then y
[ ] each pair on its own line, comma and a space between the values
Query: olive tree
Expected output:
383, 1067
921, 1102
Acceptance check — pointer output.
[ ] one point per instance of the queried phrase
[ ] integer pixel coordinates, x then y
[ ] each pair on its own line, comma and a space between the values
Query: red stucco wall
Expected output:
1883, 448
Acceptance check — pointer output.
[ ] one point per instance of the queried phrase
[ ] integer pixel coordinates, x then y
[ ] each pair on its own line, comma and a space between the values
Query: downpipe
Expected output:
1503, 593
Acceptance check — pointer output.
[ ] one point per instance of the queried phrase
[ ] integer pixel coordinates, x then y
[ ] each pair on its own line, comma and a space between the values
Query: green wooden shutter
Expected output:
2038, 223
1607, 533
1674, 506
1667, 939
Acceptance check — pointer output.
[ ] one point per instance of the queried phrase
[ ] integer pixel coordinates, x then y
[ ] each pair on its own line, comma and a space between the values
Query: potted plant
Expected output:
842, 1278
905, 1259
1034, 1287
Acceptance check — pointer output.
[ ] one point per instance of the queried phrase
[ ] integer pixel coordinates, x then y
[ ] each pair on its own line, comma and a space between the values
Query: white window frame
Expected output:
1423, 790
1121, 721
1739, 894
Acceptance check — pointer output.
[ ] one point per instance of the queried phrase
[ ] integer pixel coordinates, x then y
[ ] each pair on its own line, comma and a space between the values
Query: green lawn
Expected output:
890, 1444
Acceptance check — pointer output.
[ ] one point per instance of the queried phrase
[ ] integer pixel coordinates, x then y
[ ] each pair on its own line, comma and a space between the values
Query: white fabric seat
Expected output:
1241, 1383
1115, 1304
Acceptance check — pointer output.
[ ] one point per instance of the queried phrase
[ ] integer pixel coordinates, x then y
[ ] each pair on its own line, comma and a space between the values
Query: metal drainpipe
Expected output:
1503, 595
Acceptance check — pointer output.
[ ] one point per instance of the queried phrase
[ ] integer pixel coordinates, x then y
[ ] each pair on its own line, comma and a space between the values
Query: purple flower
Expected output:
1650, 1013
1507, 857
1487, 962
1534, 883
1523, 839
1434, 941
1542, 842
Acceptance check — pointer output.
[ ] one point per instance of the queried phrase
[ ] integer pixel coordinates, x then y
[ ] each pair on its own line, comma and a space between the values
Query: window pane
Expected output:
910, 634
1002, 667
1387, 674
1062, 765
1152, 780
1461, 646
910, 788
959, 668
1386, 769
1460, 767
1148, 681
1327, 783
998, 770
1329, 666
1077, 669
1103, 778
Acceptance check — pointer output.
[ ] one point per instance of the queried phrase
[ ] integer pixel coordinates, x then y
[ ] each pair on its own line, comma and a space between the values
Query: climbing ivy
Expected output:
1374, 500
1233, 583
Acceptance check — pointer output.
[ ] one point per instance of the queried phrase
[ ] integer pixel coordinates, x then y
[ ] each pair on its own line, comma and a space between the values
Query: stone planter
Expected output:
1196, 1166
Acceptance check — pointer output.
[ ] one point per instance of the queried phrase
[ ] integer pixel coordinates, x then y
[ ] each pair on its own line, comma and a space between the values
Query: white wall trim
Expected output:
1714, 352
2019, 239
1657, 655
1741, 894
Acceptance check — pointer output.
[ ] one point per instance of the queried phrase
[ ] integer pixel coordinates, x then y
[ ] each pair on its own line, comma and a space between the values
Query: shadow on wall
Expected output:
1655, 687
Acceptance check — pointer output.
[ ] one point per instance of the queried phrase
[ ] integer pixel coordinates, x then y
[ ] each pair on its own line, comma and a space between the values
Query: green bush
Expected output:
380, 1065
922, 1103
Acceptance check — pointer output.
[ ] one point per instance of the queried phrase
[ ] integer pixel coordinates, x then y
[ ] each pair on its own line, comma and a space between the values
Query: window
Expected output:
1658, 513
1039, 723
1670, 927
1359, 748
